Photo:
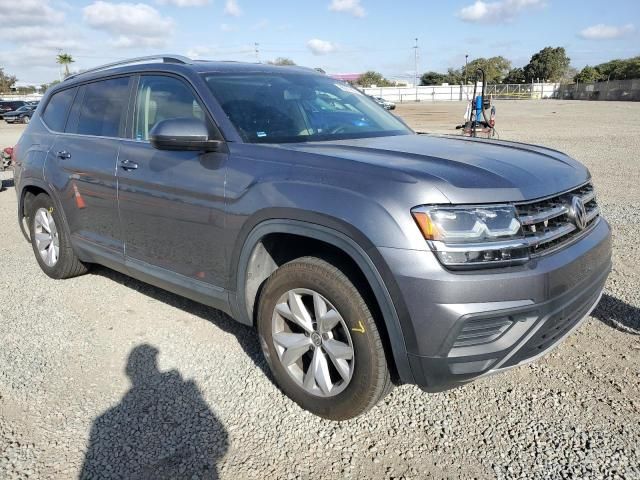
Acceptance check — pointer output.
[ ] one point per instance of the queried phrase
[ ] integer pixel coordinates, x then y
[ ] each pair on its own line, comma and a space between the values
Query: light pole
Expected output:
415, 59
466, 57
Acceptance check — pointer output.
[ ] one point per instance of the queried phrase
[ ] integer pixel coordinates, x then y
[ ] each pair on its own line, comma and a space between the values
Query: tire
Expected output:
25, 119
65, 264
310, 279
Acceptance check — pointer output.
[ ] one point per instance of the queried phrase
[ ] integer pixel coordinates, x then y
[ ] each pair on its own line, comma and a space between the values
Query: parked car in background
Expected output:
10, 106
365, 254
387, 105
21, 115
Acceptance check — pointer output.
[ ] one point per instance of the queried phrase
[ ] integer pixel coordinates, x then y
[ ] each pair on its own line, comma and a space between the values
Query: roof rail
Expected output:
166, 58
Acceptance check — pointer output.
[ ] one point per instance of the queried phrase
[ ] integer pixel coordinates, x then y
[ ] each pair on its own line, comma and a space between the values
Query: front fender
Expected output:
368, 260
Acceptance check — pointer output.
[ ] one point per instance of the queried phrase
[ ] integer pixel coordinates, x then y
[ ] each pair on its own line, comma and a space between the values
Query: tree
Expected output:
548, 64
282, 61
45, 86
432, 78
6, 81
515, 75
453, 77
66, 60
620, 69
588, 75
370, 78
495, 68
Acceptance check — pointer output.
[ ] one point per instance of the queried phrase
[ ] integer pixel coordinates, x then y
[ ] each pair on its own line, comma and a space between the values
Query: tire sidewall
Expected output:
343, 296
44, 201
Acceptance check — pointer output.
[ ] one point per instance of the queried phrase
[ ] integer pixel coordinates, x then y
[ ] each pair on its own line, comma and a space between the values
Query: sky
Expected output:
340, 36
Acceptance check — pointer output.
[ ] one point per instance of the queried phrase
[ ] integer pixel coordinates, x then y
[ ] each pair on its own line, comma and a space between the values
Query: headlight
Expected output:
474, 236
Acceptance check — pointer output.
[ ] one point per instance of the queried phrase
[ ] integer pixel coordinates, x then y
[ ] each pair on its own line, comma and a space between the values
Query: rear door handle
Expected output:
63, 154
128, 165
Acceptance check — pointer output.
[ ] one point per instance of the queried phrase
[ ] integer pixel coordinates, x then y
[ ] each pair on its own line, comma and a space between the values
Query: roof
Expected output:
177, 63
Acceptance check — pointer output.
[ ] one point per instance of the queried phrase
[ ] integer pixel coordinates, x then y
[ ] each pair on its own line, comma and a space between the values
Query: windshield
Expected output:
298, 107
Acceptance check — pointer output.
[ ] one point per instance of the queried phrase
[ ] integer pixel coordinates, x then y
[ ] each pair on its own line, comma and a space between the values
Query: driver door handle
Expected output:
128, 165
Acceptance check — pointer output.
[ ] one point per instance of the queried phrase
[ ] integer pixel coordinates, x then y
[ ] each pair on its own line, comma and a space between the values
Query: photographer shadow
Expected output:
161, 429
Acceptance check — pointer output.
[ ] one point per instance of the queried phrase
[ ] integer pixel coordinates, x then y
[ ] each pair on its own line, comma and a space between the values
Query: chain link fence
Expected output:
614, 90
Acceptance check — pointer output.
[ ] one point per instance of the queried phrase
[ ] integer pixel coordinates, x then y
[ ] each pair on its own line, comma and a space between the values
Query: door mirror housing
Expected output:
183, 134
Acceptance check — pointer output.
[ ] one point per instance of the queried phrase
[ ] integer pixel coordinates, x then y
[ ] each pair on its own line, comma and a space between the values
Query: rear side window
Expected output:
161, 98
104, 107
55, 115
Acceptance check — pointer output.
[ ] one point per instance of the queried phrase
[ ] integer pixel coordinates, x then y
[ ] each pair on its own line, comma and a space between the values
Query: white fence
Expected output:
446, 93
30, 97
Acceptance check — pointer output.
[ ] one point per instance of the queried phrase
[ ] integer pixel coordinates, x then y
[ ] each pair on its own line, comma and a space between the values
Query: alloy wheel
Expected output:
313, 342
46, 237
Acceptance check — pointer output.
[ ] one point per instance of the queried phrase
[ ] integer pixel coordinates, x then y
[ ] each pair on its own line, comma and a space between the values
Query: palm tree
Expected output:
65, 59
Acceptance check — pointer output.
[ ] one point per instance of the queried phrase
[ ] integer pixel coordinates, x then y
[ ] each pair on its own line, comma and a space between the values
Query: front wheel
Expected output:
25, 120
321, 340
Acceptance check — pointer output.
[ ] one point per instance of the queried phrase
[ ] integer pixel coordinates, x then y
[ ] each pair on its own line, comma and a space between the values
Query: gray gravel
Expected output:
105, 376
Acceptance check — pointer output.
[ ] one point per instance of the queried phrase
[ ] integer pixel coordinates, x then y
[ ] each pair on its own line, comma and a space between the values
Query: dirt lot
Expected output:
80, 389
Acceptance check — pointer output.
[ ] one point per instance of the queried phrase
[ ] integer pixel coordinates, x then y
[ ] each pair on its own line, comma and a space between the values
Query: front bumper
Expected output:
465, 325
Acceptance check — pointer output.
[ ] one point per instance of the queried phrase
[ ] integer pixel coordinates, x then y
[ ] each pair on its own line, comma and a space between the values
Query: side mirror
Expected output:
183, 134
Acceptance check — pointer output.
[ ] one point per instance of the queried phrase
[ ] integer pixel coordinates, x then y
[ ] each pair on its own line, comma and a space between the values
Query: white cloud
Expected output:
184, 3
496, 12
225, 27
321, 47
607, 32
130, 24
348, 6
232, 8
28, 12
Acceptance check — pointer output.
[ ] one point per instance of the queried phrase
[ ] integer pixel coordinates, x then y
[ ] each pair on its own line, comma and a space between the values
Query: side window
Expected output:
104, 107
161, 98
55, 114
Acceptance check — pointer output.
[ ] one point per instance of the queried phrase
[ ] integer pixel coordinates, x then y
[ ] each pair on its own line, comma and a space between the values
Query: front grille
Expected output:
549, 224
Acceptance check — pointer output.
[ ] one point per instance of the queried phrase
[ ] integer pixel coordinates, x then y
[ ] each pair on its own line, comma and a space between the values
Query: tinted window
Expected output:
104, 106
161, 98
298, 107
55, 115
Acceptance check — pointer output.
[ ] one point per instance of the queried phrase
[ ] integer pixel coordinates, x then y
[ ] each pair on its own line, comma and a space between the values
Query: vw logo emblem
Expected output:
578, 212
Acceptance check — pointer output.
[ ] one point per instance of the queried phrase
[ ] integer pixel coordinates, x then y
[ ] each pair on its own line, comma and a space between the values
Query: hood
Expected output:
465, 170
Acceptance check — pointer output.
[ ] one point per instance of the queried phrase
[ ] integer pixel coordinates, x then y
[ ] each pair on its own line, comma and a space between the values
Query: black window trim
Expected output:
66, 119
133, 101
122, 128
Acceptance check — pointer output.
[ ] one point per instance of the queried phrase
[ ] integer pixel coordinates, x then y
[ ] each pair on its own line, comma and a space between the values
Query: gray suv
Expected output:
365, 254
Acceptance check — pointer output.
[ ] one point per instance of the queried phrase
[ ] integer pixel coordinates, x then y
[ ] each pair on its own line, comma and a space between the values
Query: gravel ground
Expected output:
102, 375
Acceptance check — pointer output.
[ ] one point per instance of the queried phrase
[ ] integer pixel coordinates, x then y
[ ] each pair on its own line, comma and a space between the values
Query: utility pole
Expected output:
415, 78
257, 51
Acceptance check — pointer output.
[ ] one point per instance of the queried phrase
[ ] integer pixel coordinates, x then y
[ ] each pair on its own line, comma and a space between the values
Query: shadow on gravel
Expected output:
247, 337
618, 314
161, 429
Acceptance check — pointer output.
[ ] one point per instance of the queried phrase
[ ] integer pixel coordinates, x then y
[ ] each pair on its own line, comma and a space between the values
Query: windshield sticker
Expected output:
261, 134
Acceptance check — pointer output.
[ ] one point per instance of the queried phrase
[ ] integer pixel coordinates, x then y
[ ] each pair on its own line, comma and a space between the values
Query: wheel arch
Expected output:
255, 265
28, 190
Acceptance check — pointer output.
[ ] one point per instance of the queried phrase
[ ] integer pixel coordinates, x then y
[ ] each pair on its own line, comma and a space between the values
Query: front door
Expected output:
171, 202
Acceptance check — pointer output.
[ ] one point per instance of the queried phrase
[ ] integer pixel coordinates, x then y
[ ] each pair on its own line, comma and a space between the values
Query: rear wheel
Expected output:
321, 340
50, 242
25, 119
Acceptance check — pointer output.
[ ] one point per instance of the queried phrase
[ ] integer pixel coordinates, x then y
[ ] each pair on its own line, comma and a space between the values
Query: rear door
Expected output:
171, 202
82, 163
